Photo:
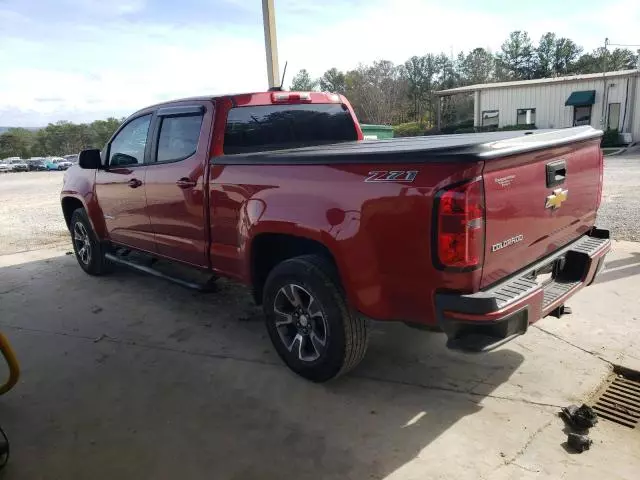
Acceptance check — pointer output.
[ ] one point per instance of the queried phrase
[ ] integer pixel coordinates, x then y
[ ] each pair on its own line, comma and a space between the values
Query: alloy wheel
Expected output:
300, 322
82, 242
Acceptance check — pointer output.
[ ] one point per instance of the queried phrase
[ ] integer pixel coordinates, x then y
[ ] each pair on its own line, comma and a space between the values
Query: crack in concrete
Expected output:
519, 453
528, 442
527, 469
589, 352
13, 289
454, 390
131, 343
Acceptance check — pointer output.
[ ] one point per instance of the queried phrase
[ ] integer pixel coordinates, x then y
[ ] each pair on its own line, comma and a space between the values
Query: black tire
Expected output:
345, 332
95, 262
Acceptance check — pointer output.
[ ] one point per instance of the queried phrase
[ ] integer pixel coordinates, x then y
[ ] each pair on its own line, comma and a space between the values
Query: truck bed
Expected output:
469, 147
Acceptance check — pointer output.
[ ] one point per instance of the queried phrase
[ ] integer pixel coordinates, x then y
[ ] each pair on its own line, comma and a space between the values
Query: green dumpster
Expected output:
376, 132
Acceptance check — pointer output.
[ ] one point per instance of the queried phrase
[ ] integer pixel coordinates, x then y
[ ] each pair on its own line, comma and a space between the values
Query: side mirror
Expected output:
90, 159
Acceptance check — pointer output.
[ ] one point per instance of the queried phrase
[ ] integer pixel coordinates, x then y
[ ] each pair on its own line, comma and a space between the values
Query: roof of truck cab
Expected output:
462, 147
210, 98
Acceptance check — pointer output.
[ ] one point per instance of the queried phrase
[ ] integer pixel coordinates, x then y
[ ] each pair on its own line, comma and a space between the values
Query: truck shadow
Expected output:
621, 268
129, 376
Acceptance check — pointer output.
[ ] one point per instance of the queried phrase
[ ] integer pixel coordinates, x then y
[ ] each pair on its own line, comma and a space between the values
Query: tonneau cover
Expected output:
462, 148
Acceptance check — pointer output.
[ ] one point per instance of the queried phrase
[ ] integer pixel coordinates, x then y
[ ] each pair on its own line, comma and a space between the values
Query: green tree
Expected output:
333, 80
565, 57
516, 56
590, 62
302, 82
595, 62
546, 55
621, 59
447, 76
419, 73
101, 131
16, 142
478, 67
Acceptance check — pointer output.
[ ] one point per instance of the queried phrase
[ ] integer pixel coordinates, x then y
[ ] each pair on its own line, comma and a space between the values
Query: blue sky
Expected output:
81, 60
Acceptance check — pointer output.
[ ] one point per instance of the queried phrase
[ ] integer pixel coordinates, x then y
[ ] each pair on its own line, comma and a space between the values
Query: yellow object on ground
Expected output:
12, 362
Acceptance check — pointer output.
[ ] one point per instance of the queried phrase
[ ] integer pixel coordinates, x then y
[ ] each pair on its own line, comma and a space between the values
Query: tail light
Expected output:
460, 226
601, 180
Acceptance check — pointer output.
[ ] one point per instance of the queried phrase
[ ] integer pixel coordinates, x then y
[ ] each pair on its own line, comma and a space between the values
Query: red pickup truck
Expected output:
476, 235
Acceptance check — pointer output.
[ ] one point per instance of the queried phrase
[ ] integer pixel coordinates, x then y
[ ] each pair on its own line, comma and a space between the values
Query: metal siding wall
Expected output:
548, 100
617, 95
635, 122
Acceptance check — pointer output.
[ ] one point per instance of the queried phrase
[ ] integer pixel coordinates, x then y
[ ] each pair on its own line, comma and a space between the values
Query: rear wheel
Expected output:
88, 249
310, 324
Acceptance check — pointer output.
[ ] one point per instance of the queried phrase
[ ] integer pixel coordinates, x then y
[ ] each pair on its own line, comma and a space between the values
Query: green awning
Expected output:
585, 97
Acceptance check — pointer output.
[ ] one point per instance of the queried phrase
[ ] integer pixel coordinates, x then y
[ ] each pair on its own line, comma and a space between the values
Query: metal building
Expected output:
606, 101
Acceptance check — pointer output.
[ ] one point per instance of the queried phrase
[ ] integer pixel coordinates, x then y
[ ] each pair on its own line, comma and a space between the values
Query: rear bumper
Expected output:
488, 318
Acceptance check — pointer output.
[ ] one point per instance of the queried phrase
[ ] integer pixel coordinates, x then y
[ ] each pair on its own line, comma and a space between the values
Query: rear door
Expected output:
120, 186
175, 181
536, 203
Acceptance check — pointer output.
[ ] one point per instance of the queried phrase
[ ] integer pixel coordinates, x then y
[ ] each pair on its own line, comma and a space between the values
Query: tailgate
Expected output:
536, 203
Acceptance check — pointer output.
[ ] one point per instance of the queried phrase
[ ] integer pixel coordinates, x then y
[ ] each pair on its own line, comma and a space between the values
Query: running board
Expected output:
206, 287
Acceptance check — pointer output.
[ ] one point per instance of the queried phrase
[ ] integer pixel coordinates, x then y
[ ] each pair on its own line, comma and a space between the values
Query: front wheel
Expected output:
309, 322
88, 249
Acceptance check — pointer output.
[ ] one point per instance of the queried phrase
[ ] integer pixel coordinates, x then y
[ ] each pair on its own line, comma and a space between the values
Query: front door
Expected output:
120, 187
175, 183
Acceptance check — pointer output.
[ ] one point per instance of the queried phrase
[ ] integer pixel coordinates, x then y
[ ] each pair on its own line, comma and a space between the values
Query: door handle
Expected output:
186, 183
556, 173
134, 183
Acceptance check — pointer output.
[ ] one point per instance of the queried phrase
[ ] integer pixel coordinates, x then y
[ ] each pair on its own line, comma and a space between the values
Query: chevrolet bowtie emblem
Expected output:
554, 201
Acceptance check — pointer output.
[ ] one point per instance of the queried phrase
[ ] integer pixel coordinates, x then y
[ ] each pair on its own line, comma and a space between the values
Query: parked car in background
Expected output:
57, 163
36, 164
7, 163
71, 158
5, 167
64, 164
19, 165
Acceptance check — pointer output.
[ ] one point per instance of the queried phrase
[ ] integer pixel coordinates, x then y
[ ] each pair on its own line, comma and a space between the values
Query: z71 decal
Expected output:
406, 176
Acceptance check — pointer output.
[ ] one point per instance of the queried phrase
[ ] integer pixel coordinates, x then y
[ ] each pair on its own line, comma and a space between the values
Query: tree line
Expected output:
382, 92
61, 138
387, 93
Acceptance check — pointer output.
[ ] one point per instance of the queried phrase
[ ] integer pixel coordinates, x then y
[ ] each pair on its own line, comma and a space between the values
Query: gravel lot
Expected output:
30, 216
620, 210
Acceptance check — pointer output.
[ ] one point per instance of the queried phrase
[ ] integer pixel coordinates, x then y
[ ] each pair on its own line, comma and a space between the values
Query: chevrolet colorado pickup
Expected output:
476, 235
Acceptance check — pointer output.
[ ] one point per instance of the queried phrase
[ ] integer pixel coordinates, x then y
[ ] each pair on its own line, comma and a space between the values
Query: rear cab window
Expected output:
276, 127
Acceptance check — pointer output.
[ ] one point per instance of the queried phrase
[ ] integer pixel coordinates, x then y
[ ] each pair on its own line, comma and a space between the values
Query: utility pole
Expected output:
604, 83
271, 43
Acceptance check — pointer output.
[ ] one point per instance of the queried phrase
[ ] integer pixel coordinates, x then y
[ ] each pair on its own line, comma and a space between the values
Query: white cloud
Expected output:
90, 70
108, 7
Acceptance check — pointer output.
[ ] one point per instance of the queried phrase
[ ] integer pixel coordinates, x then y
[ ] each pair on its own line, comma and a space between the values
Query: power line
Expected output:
623, 45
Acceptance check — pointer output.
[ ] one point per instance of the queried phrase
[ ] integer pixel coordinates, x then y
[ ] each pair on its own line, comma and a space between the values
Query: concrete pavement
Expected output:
128, 376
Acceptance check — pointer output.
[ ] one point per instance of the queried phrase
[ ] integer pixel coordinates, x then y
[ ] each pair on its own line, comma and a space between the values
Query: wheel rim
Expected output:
82, 242
300, 322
